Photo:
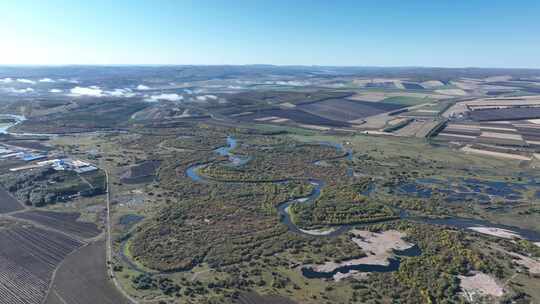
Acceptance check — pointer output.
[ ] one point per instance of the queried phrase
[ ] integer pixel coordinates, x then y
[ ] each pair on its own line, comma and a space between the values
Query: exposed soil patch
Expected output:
82, 279
8, 203
498, 232
28, 257
480, 284
63, 221
378, 248
142, 173
347, 110
30, 144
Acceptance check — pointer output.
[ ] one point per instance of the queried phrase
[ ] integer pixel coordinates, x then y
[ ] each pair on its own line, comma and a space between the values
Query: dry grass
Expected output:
502, 135
417, 128
533, 265
468, 149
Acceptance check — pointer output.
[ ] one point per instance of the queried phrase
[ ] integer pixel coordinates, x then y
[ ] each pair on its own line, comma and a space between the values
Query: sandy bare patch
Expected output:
377, 246
498, 232
380, 243
480, 284
468, 149
353, 273
318, 231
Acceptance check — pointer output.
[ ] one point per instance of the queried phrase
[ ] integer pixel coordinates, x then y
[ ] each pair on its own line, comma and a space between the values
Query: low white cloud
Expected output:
121, 93
27, 81
18, 91
6, 80
188, 91
55, 91
46, 80
93, 91
142, 87
290, 83
165, 97
206, 97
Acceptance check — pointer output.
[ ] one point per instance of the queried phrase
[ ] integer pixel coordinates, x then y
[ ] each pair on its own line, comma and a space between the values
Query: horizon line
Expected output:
30, 65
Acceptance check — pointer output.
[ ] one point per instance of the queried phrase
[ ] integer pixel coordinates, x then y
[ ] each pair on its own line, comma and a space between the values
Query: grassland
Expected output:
202, 236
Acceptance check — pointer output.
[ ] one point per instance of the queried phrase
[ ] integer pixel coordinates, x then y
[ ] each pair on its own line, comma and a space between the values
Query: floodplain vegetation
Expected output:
215, 232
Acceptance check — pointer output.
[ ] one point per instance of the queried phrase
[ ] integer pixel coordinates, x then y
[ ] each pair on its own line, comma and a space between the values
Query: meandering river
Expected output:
459, 223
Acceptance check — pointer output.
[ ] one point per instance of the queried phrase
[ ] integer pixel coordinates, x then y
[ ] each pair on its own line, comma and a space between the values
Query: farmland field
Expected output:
28, 257
406, 100
412, 86
63, 221
141, 173
298, 116
347, 110
8, 203
85, 267
506, 114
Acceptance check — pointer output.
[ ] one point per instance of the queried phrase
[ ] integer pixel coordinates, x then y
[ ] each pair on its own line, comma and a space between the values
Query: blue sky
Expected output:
330, 32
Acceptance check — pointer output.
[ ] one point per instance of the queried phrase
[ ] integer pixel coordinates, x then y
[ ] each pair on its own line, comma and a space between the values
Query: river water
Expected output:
393, 265
460, 223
